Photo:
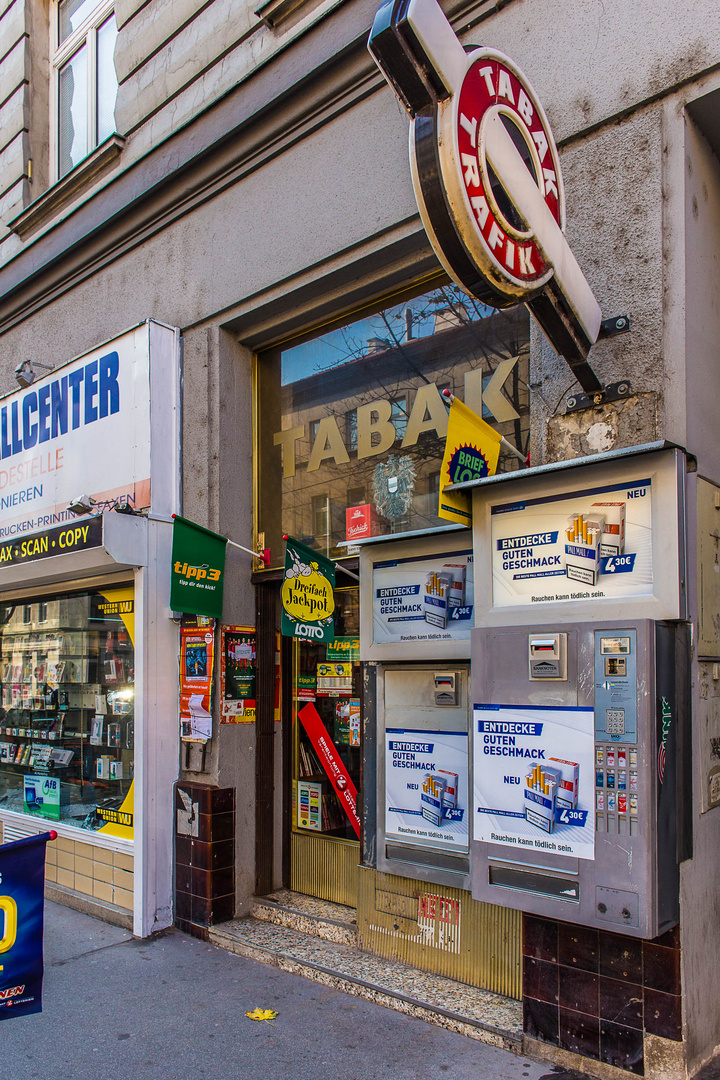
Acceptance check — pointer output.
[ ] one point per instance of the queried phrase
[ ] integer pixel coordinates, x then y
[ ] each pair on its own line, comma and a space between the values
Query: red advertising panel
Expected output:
331, 763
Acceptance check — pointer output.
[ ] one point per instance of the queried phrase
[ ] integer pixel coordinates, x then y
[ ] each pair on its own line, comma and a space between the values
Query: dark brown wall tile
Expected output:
183, 879
578, 947
622, 1047
183, 850
663, 1015
200, 910
621, 1002
578, 990
214, 827
580, 1033
540, 1020
200, 882
222, 854
222, 800
540, 980
223, 908
222, 881
670, 939
540, 938
183, 907
621, 957
661, 968
199, 793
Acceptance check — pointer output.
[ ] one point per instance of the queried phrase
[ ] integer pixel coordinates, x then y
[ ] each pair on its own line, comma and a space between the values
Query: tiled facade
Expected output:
91, 871
204, 857
597, 994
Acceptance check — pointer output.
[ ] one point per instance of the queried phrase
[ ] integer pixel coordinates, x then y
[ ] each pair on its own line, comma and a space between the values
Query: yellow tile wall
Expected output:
93, 871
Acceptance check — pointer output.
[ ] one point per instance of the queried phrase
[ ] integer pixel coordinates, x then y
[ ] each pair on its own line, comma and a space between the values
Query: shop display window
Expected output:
351, 424
328, 677
67, 713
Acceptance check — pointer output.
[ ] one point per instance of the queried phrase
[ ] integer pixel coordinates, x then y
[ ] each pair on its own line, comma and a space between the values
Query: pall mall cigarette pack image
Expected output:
612, 541
456, 572
541, 785
435, 599
431, 798
582, 549
566, 796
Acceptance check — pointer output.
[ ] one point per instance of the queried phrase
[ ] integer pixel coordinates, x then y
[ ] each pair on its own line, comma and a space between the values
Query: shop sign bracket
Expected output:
613, 392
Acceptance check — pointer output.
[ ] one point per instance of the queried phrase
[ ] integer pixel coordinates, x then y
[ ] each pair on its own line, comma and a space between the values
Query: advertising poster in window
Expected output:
197, 657
237, 674
534, 780
426, 788
588, 544
426, 598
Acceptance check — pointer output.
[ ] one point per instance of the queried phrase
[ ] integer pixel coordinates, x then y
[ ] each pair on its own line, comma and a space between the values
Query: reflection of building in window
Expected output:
42, 611
27, 613
85, 83
341, 405
321, 515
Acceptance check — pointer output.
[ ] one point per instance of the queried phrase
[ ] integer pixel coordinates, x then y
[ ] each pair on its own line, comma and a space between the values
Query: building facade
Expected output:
241, 176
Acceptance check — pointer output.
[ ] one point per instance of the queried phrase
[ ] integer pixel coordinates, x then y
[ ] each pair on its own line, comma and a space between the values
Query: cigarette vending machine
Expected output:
581, 691
576, 770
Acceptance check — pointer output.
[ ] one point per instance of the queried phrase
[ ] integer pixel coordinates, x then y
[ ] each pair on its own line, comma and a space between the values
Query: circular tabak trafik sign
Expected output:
486, 175
464, 203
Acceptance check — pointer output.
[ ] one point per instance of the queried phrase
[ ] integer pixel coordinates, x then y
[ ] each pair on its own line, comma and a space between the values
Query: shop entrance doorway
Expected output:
325, 747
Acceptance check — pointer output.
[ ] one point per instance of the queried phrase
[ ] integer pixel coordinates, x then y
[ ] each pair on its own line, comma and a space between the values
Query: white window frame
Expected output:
60, 54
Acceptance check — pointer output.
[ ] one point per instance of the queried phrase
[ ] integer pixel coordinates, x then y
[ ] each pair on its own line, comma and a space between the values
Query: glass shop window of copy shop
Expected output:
67, 715
85, 83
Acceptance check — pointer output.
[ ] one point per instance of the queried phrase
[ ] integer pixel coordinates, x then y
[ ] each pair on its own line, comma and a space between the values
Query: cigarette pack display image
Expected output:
456, 572
566, 796
541, 785
451, 787
612, 541
582, 550
435, 599
431, 798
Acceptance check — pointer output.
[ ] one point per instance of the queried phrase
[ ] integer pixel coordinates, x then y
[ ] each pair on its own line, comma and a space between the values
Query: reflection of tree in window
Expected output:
370, 373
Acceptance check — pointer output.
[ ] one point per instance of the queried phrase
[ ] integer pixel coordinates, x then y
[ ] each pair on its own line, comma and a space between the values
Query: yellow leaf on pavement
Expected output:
261, 1014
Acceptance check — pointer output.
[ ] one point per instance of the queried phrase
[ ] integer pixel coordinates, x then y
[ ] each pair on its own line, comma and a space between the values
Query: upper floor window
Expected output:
85, 80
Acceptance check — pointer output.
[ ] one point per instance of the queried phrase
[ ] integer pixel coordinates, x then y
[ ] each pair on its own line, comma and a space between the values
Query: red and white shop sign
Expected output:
486, 173
332, 763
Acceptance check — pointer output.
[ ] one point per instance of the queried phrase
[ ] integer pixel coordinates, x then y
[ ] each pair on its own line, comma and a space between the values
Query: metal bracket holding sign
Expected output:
486, 174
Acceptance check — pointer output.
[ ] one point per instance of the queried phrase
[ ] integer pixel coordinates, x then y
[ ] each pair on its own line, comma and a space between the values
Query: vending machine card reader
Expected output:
575, 770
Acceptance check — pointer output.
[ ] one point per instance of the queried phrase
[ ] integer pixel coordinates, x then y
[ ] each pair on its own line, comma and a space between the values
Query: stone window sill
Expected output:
62, 192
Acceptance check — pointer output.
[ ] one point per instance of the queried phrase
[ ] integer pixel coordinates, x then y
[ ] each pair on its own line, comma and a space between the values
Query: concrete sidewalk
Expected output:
173, 1008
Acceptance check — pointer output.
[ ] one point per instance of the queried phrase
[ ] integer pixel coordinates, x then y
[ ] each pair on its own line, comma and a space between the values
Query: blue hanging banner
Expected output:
22, 888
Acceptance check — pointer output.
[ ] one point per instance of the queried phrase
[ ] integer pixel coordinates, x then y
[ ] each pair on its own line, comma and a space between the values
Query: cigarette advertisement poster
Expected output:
426, 598
534, 778
584, 545
197, 658
426, 787
237, 674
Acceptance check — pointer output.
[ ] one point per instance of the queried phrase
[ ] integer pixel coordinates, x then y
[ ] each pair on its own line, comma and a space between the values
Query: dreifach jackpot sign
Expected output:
486, 175
22, 884
307, 594
198, 569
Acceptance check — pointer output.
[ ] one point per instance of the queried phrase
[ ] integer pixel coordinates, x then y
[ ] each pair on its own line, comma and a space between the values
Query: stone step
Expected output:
319, 918
478, 1014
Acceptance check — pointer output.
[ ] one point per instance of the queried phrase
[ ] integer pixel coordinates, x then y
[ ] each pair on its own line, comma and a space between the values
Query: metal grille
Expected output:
440, 929
325, 868
15, 832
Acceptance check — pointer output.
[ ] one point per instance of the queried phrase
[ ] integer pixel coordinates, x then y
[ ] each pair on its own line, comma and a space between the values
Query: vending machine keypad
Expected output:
616, 686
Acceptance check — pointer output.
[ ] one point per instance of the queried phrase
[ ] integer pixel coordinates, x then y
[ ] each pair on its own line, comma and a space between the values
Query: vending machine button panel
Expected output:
616, 686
